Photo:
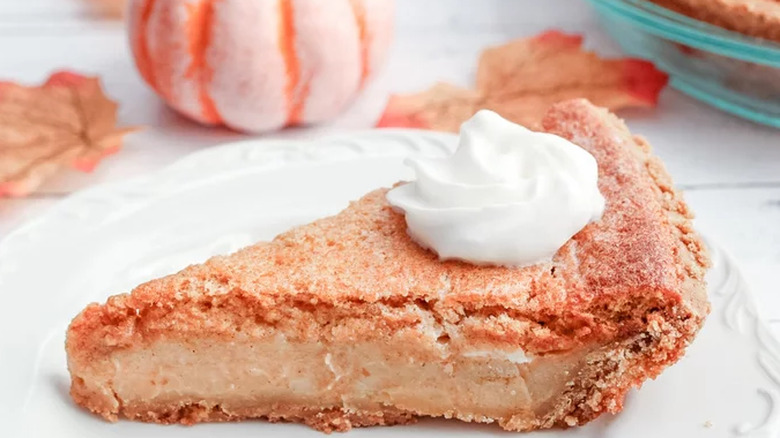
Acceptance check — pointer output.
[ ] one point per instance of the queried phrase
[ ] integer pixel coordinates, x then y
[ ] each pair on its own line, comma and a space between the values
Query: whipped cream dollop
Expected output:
507, 196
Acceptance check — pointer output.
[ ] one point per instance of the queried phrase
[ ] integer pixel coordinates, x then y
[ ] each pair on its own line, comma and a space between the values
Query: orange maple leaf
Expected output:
523, 78
66, 121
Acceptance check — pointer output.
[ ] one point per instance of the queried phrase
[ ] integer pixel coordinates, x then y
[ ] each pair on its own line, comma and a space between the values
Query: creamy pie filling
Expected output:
361, 376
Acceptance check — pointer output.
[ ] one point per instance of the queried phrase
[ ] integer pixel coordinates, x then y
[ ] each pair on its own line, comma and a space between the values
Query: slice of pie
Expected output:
758, 18
347, 322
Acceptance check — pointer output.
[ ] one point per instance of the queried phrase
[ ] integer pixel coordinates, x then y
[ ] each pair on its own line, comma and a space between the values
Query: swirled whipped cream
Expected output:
507, 196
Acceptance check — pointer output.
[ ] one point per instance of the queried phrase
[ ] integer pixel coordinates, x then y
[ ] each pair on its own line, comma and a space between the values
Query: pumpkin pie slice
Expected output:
347, 322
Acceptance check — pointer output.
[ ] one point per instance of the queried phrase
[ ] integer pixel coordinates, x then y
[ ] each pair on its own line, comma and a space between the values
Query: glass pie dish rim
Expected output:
674, 26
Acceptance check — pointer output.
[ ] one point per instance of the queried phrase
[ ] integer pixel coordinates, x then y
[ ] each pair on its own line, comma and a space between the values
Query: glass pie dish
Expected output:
734, 72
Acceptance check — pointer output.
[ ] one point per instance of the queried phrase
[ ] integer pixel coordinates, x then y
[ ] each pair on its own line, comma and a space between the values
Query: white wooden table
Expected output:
729, 168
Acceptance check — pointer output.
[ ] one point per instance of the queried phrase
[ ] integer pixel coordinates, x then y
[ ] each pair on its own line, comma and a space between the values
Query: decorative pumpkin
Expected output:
258, 65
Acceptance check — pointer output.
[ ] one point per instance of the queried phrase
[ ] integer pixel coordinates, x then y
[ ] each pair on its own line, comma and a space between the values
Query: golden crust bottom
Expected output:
325, 420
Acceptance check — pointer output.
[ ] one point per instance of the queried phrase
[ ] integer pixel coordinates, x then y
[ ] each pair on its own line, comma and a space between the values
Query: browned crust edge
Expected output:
328, 420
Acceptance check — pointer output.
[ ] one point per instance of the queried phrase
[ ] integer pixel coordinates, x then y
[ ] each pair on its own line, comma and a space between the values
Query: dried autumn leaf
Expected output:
108, 8
66, 121
522, 79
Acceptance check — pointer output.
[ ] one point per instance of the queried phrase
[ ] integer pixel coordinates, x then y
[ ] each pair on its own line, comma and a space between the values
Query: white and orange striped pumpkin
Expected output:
258, 65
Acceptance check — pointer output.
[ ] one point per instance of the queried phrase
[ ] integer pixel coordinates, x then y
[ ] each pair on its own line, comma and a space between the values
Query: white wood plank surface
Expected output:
36, 11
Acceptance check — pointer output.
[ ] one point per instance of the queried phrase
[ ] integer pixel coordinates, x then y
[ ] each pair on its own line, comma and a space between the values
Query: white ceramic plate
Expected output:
106, 240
